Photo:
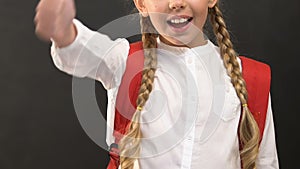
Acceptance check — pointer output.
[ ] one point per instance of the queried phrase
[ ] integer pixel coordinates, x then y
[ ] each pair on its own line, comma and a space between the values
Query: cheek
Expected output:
157, 20
201, 8
154, 6
156, 12
201, 16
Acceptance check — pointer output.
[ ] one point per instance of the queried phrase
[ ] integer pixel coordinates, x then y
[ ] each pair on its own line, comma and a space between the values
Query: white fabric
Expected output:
191, 118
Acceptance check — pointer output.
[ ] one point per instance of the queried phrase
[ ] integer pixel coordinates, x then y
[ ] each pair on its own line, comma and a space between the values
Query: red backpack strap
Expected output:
258, 79
257, 76
126, 98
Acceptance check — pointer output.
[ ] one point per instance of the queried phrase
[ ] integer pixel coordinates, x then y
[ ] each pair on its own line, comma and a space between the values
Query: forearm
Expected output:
92, 55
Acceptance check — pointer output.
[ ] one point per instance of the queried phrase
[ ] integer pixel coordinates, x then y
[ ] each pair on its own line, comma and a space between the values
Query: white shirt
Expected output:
191, 118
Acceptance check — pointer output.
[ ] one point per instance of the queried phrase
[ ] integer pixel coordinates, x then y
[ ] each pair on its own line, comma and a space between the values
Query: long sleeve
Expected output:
93, 55
267, 157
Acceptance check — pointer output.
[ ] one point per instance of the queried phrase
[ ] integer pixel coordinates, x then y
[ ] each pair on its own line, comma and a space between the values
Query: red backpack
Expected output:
256, 74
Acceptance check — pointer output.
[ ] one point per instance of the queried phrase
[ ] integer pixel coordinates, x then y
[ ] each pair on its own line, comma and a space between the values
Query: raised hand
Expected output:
53, 20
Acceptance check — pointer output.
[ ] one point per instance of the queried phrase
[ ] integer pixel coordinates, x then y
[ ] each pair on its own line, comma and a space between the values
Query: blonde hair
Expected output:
130, 143
248, 129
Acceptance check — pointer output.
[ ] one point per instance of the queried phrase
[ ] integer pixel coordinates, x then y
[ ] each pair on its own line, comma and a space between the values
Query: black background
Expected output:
38, 124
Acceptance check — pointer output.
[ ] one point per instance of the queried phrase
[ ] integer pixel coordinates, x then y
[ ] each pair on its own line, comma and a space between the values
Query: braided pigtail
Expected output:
130, 144
249, 131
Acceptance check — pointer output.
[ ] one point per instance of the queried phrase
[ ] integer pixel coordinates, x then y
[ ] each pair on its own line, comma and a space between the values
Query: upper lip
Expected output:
179, 17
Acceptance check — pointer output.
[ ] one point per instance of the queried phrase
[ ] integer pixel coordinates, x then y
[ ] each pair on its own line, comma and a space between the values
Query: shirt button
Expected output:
234, 113
227, 88
189, 139
200, 123
190, 60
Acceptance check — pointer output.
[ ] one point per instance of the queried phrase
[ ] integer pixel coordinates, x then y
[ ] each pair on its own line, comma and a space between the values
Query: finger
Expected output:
42, 36
36, 18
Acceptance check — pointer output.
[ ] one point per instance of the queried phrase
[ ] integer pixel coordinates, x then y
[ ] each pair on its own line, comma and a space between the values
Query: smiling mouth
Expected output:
179, 22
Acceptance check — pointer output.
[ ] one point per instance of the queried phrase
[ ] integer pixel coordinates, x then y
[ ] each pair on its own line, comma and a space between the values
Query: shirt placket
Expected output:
188, 142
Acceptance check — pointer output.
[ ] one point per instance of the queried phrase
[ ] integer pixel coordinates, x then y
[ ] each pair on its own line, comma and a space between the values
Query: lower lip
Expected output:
181, 29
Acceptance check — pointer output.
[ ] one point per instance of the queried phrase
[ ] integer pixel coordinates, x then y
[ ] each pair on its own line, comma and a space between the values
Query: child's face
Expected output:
179, 22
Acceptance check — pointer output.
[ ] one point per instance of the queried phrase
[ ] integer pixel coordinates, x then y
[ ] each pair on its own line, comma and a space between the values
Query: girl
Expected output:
181, 67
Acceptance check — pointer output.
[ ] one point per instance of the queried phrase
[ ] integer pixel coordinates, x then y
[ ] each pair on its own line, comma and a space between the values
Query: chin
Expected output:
182, 41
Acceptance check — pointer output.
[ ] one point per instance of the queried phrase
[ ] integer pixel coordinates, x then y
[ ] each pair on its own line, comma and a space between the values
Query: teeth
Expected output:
181, 20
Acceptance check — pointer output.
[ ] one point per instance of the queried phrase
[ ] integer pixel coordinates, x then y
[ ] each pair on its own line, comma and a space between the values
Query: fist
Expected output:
53, 19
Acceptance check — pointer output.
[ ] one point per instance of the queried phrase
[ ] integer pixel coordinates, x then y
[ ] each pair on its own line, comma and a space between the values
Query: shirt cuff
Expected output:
62, 56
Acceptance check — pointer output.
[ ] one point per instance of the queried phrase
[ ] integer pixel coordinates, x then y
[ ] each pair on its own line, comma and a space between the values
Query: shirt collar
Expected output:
205, 49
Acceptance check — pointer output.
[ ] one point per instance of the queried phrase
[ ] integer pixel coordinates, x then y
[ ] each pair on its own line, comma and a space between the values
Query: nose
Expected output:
177, 4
